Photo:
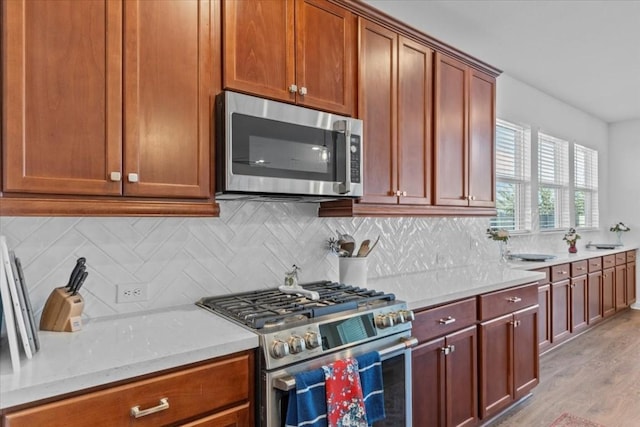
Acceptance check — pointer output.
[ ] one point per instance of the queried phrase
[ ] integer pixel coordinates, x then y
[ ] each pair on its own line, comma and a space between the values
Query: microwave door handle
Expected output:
343, 126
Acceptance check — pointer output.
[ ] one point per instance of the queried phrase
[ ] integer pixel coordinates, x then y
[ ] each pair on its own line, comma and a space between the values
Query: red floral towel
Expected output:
345, 405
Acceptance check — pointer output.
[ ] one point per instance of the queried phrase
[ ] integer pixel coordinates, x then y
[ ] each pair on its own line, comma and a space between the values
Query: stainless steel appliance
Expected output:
297, 334
272, 149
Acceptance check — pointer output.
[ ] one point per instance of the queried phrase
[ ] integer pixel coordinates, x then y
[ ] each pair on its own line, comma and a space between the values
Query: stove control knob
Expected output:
279, 349
312, 339
384, 321
398, 317
407, 315
296, 344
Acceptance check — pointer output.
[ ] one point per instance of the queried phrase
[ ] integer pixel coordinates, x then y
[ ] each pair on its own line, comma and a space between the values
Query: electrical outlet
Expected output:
131, 292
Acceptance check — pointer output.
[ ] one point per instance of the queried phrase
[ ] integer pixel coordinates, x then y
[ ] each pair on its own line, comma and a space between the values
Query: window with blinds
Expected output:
553, 182
585, 187
513, 177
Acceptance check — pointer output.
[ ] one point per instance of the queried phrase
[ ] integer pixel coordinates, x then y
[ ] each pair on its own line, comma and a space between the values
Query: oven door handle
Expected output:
289, 382
344, 127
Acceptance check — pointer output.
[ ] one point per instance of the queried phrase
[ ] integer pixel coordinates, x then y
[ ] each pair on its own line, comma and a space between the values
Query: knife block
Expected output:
62, 312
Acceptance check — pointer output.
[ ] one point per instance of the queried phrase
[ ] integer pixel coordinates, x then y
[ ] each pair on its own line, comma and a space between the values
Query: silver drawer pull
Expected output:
579, 268
163, 405
449, 320
514, 299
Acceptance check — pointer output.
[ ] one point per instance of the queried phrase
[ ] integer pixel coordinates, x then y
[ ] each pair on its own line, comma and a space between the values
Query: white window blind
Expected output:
553, 182
586, 186
513, 177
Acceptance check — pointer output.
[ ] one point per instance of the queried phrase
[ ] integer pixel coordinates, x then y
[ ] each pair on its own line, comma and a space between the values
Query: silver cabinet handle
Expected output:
448, 349
514, 299
115, 176
303, 91
404, 194
293, 88
132, 177
344, 127
472, 197
162, 406
449, 320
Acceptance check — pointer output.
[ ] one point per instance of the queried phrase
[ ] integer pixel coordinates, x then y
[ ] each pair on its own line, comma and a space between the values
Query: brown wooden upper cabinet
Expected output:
464, 128
107, 98
395, 104
299, 51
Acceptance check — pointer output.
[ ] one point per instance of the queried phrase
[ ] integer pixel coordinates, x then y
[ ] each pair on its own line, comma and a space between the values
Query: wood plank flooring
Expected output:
595, 376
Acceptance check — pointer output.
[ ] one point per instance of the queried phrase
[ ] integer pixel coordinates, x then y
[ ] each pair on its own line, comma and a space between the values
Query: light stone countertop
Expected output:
436, 287
117, 348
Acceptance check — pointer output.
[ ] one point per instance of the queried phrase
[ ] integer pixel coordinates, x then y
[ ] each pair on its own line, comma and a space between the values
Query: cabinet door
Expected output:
428, 382
560, 320
631, 283
168, 68
414, 122
620, 289
450, 132
578, 303
461, 378
377, 106
325, 56
62, 96
239, 416
259, 47
526, 372
482, 121
608, 292
544, 317
594, 307
496, 365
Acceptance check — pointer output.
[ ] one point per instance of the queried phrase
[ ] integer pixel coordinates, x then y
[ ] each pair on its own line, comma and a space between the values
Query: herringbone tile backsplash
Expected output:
249, 247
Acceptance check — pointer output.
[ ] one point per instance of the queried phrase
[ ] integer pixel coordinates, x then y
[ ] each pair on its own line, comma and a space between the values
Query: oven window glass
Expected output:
395, 392
269, 148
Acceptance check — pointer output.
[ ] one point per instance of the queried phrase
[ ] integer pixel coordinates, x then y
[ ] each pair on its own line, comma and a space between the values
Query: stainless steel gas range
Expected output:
298, 334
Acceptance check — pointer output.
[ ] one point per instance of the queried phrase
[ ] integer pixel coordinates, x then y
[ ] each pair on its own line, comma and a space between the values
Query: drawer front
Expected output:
547, 275
507, 301
439, 321
621, 258
579, 268
188, 393
608, 261
560, 272
595, 264
631, 256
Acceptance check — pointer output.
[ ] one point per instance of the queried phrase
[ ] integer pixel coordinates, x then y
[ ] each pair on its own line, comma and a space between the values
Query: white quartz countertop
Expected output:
564, 257
436, 287
116, 348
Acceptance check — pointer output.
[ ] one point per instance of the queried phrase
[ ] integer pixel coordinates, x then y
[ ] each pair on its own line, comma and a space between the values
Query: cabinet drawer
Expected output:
189, 392
631, 256
608, 261
621, 258
507, 301
439, 321
560, 272
595, 264
547, 275
579, 268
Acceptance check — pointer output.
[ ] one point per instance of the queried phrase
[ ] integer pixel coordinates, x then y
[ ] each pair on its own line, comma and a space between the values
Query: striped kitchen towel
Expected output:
370, 369
308, 402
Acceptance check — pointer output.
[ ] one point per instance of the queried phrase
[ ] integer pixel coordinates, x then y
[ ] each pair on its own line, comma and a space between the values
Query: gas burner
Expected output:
272, 308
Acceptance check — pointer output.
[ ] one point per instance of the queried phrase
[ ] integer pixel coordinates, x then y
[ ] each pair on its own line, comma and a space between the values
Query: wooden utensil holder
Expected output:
62, 312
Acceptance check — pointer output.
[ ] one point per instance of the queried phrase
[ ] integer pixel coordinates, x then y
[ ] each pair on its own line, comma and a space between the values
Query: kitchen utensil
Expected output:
371, 247
348, 247
75, 272
77, 277
345, 237
364, 248
79, 283
62, 312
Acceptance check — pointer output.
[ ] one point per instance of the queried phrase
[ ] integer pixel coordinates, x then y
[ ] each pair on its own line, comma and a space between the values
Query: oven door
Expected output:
277, 148
395, 355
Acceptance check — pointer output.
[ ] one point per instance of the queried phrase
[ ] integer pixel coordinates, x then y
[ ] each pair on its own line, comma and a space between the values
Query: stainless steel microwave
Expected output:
269, 149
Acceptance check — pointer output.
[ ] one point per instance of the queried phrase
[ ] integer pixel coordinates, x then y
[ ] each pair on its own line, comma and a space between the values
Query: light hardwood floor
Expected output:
595, 376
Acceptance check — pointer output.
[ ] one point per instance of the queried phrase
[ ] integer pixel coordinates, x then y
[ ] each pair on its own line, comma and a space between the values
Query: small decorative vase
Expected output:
504, 251
572, 248
619, 236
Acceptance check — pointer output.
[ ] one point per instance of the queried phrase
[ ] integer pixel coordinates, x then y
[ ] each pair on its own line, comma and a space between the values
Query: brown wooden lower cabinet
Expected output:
560, 310
215, 394
631, 282
608, 292
445, 380
594, 307
620, 280
544, 317
578, 298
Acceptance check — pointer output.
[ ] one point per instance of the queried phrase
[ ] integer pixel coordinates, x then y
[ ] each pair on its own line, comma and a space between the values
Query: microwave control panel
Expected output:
356, 158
